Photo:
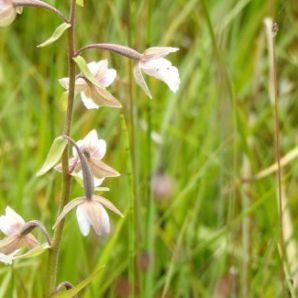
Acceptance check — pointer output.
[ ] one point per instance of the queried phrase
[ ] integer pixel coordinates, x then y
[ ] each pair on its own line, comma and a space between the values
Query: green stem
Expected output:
66, 184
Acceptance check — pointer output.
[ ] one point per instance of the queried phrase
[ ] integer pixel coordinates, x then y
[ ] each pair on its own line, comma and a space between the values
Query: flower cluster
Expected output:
86, 162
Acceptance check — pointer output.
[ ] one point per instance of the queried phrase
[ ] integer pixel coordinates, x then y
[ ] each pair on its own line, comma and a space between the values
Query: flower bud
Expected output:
7, 12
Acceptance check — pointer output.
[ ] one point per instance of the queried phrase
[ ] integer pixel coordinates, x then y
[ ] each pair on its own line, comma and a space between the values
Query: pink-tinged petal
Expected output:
107, 204
80, 84
100, 149
74, 165
108, 78
7, 13
88, 102
30, 241
141, 81
90, 140
100, 169
82, 217
157, 52
10, 244
94, 67
72, 204
11, 222
98, 217
103, 97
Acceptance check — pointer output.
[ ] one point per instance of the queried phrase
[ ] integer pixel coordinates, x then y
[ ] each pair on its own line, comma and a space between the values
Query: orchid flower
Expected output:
12, 224
92, 96
94, 150
153, 63
90, 213
8, 12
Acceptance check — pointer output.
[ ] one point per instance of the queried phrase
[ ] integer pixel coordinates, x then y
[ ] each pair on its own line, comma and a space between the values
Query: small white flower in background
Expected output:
90, 213
154, 64
8, 12
92, 96
11, 225
94, 150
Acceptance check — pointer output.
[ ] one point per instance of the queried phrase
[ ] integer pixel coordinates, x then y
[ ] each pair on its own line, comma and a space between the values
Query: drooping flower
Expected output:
94, 150
7, 12
153, 63
93, 96
90, 213
11, 224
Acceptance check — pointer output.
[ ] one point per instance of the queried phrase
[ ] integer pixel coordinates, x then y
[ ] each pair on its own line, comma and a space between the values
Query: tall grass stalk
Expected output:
271, 30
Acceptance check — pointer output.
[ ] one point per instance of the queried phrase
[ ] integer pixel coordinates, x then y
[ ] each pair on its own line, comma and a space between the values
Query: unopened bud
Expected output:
7, 12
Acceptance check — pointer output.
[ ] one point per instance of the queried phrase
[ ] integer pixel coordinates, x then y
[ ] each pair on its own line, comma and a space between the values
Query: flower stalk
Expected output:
119, 49
38, 3
54, 250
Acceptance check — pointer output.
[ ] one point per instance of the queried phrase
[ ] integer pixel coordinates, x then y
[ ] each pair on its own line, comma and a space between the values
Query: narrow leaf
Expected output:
36, 251
54, 155
82, 64
70, 293
56, 35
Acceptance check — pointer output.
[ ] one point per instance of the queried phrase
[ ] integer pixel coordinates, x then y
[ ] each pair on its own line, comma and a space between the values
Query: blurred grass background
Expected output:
199, 231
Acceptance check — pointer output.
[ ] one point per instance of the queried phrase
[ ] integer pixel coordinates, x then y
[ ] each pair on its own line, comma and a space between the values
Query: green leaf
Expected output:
70, 293
56, 35
80, 2
36, 251
82, 64
54, 155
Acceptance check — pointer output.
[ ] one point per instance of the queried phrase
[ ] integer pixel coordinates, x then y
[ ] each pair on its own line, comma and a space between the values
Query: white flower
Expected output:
92, 96
94, 150
7, 13
154, 64
90, 213
11, 225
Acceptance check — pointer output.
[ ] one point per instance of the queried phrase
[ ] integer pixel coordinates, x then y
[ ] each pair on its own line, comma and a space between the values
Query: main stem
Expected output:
54, 251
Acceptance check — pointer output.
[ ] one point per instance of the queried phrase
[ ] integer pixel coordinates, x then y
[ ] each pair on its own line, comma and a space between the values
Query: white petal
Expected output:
101, 224
88, 102
64, 82
11, 222
155, 64
80, 84
91, 138
7, 259
163, 70
141, 81
93, 67
82, 218
108, 78
100, 149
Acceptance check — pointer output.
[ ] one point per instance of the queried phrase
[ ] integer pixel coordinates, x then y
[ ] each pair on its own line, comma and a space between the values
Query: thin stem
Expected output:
271, 30
121, 50
54, 251
42, 4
